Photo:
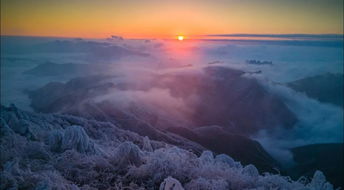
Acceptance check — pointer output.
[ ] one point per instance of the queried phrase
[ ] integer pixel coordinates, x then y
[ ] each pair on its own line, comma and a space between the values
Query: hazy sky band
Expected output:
319, 36
153, 18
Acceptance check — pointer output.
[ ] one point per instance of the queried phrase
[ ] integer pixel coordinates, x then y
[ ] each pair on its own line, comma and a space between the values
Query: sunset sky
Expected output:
157, 18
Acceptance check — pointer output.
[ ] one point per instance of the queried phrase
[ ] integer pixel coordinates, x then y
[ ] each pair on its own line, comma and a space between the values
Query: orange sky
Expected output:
158, 18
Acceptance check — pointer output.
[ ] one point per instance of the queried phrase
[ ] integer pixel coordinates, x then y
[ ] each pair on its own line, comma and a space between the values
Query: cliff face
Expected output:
47, 151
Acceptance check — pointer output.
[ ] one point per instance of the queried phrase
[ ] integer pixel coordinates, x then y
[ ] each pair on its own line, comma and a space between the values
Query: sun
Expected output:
180, 38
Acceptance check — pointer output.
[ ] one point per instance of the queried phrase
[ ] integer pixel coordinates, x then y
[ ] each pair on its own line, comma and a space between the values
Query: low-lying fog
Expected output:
281, 93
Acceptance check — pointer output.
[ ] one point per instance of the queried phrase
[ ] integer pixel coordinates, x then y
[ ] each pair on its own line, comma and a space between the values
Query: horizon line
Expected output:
270, 35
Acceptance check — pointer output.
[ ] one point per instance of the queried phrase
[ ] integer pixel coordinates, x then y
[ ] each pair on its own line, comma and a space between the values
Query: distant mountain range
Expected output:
326, 88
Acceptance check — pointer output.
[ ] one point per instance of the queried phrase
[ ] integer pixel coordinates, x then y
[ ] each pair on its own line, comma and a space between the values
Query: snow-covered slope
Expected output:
54, 151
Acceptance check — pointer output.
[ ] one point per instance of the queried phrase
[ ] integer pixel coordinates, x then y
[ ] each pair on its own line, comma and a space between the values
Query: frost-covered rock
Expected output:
171, 184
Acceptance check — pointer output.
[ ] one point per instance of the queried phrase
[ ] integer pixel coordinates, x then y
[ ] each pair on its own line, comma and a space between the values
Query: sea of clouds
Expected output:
136, 61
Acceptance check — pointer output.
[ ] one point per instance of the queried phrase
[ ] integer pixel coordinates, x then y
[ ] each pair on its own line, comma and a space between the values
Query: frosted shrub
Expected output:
225, 160
319, 182
251, 171
171, 184
206, 157
48, 151
165, 162
205, 184
74, 137
147, 146
127, 154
